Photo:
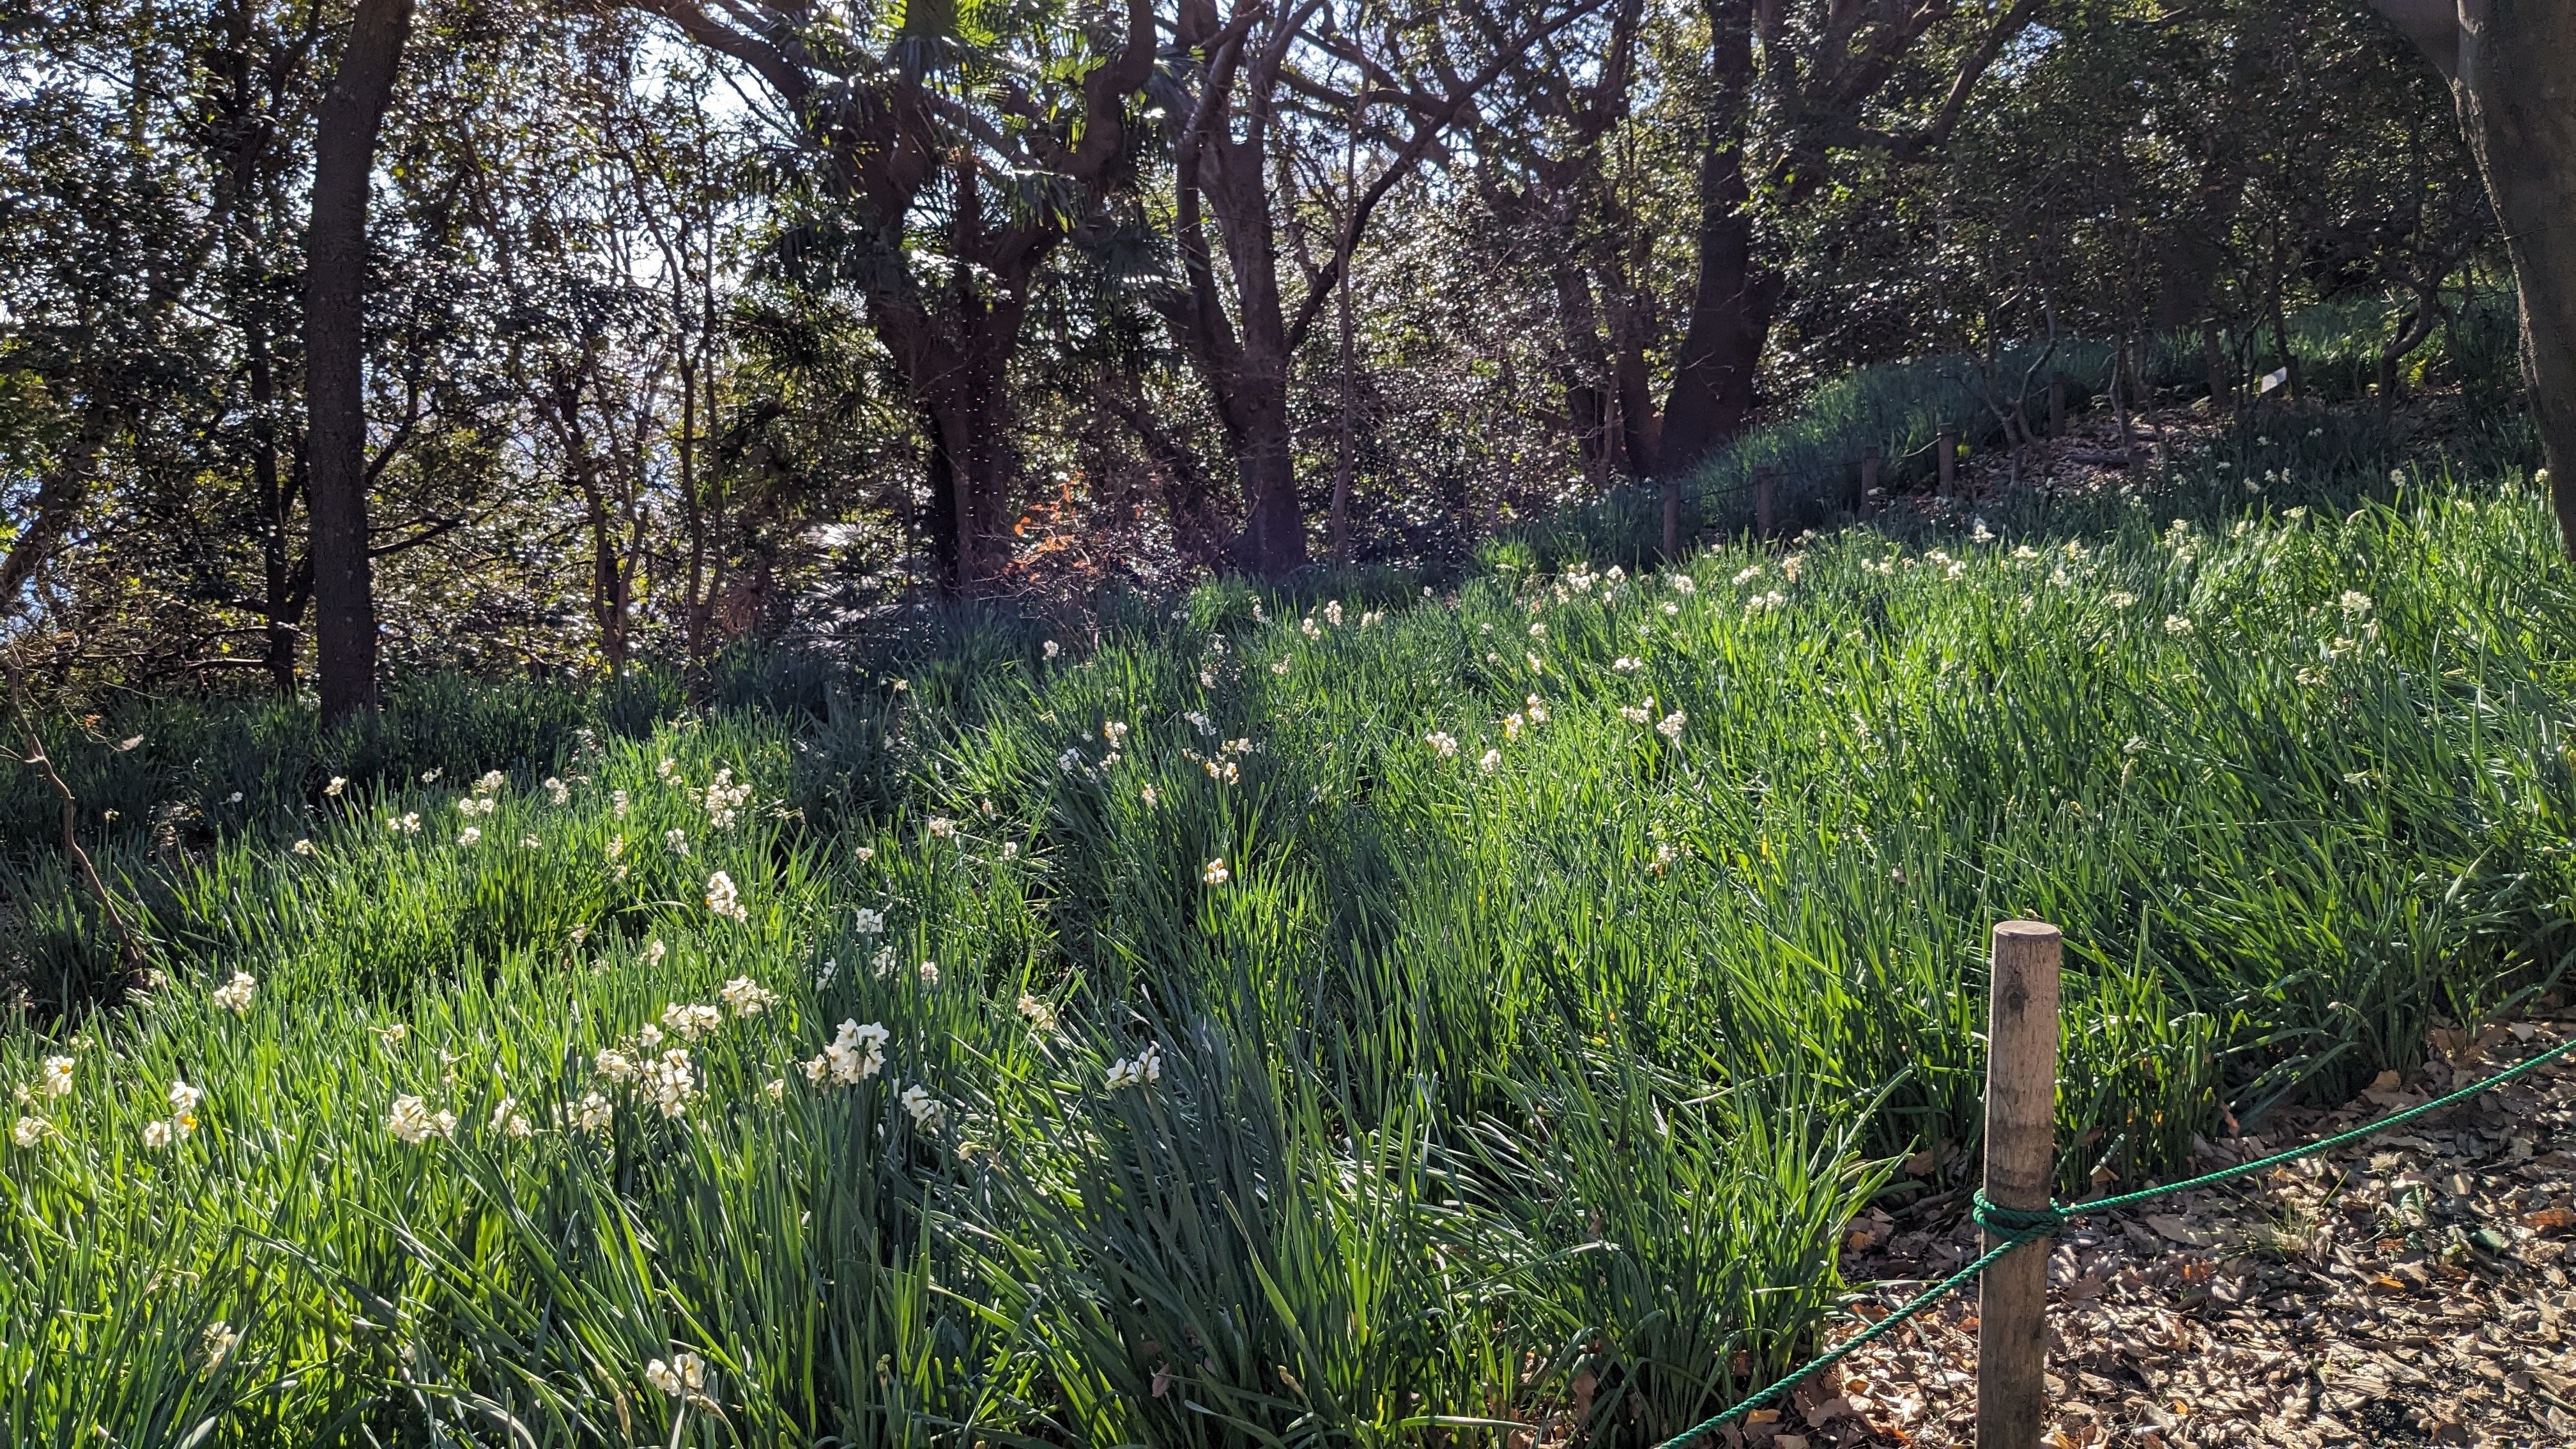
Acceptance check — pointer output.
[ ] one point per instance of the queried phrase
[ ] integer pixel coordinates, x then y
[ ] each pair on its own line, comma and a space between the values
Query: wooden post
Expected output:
2057, 404
1949, 451
1869, 485
1762, 516
2021, 1151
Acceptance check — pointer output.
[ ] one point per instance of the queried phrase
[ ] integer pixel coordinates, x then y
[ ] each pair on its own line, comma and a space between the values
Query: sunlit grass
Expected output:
1586, 946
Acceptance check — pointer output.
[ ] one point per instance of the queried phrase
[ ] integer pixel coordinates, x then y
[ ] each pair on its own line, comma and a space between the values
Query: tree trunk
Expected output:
335, 349
1733, 298
2518, 102
2512, 67
1585, 373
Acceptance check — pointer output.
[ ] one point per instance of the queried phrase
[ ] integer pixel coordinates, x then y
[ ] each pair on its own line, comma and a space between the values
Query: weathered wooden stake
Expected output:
2057, 404
1949, 450
1762, 501
1869, 485
2021, 1148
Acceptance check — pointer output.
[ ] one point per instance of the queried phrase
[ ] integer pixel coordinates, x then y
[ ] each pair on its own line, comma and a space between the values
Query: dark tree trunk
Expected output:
2518, 101
2512, 67
1586, 380
285, 585
1732, 298
335, 343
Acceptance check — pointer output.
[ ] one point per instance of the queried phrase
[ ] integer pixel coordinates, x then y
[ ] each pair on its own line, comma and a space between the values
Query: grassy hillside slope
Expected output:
1299, 1022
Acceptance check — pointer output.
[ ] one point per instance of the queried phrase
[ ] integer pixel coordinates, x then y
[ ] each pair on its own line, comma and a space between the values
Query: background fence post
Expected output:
1949, 454
2057, 404
2021, 1151
1762, 516
1869, 485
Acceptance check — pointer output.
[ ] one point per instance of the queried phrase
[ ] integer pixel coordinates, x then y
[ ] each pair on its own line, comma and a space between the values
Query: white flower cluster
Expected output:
1670, 726
725, 799
676, 841
1638, 713
853, 1056
511, 1120
1535, 709
1147, 1067
1490, 761
691, 1020
234, 995
671, 1081
723, 899
941, 827
1442, 743
1041, 1013
1763, 603
411, 1121
1682, 583
470, 835
54, 1077
869, 922
558, 791
1627, 664
404, 824
747, 997
1216, 873
684, 1377
928, 1112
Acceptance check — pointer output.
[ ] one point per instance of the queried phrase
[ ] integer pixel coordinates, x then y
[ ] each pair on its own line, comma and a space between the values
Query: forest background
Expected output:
691, 325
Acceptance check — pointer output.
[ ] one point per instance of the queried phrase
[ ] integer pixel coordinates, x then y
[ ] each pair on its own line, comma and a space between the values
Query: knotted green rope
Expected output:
2017, 1226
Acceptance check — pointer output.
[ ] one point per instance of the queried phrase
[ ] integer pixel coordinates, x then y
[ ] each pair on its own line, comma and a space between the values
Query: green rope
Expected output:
2017, 1226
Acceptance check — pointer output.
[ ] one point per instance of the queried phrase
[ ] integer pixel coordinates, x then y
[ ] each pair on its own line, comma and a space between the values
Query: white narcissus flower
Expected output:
235, 995
411, 1121
723, 899
1147, 1067
855, 1054
54, 1078
691, 1019
928, 1112
747, 997
684, 1377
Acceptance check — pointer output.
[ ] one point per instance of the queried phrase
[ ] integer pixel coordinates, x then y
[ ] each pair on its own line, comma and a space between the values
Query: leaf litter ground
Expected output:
2408, 1291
